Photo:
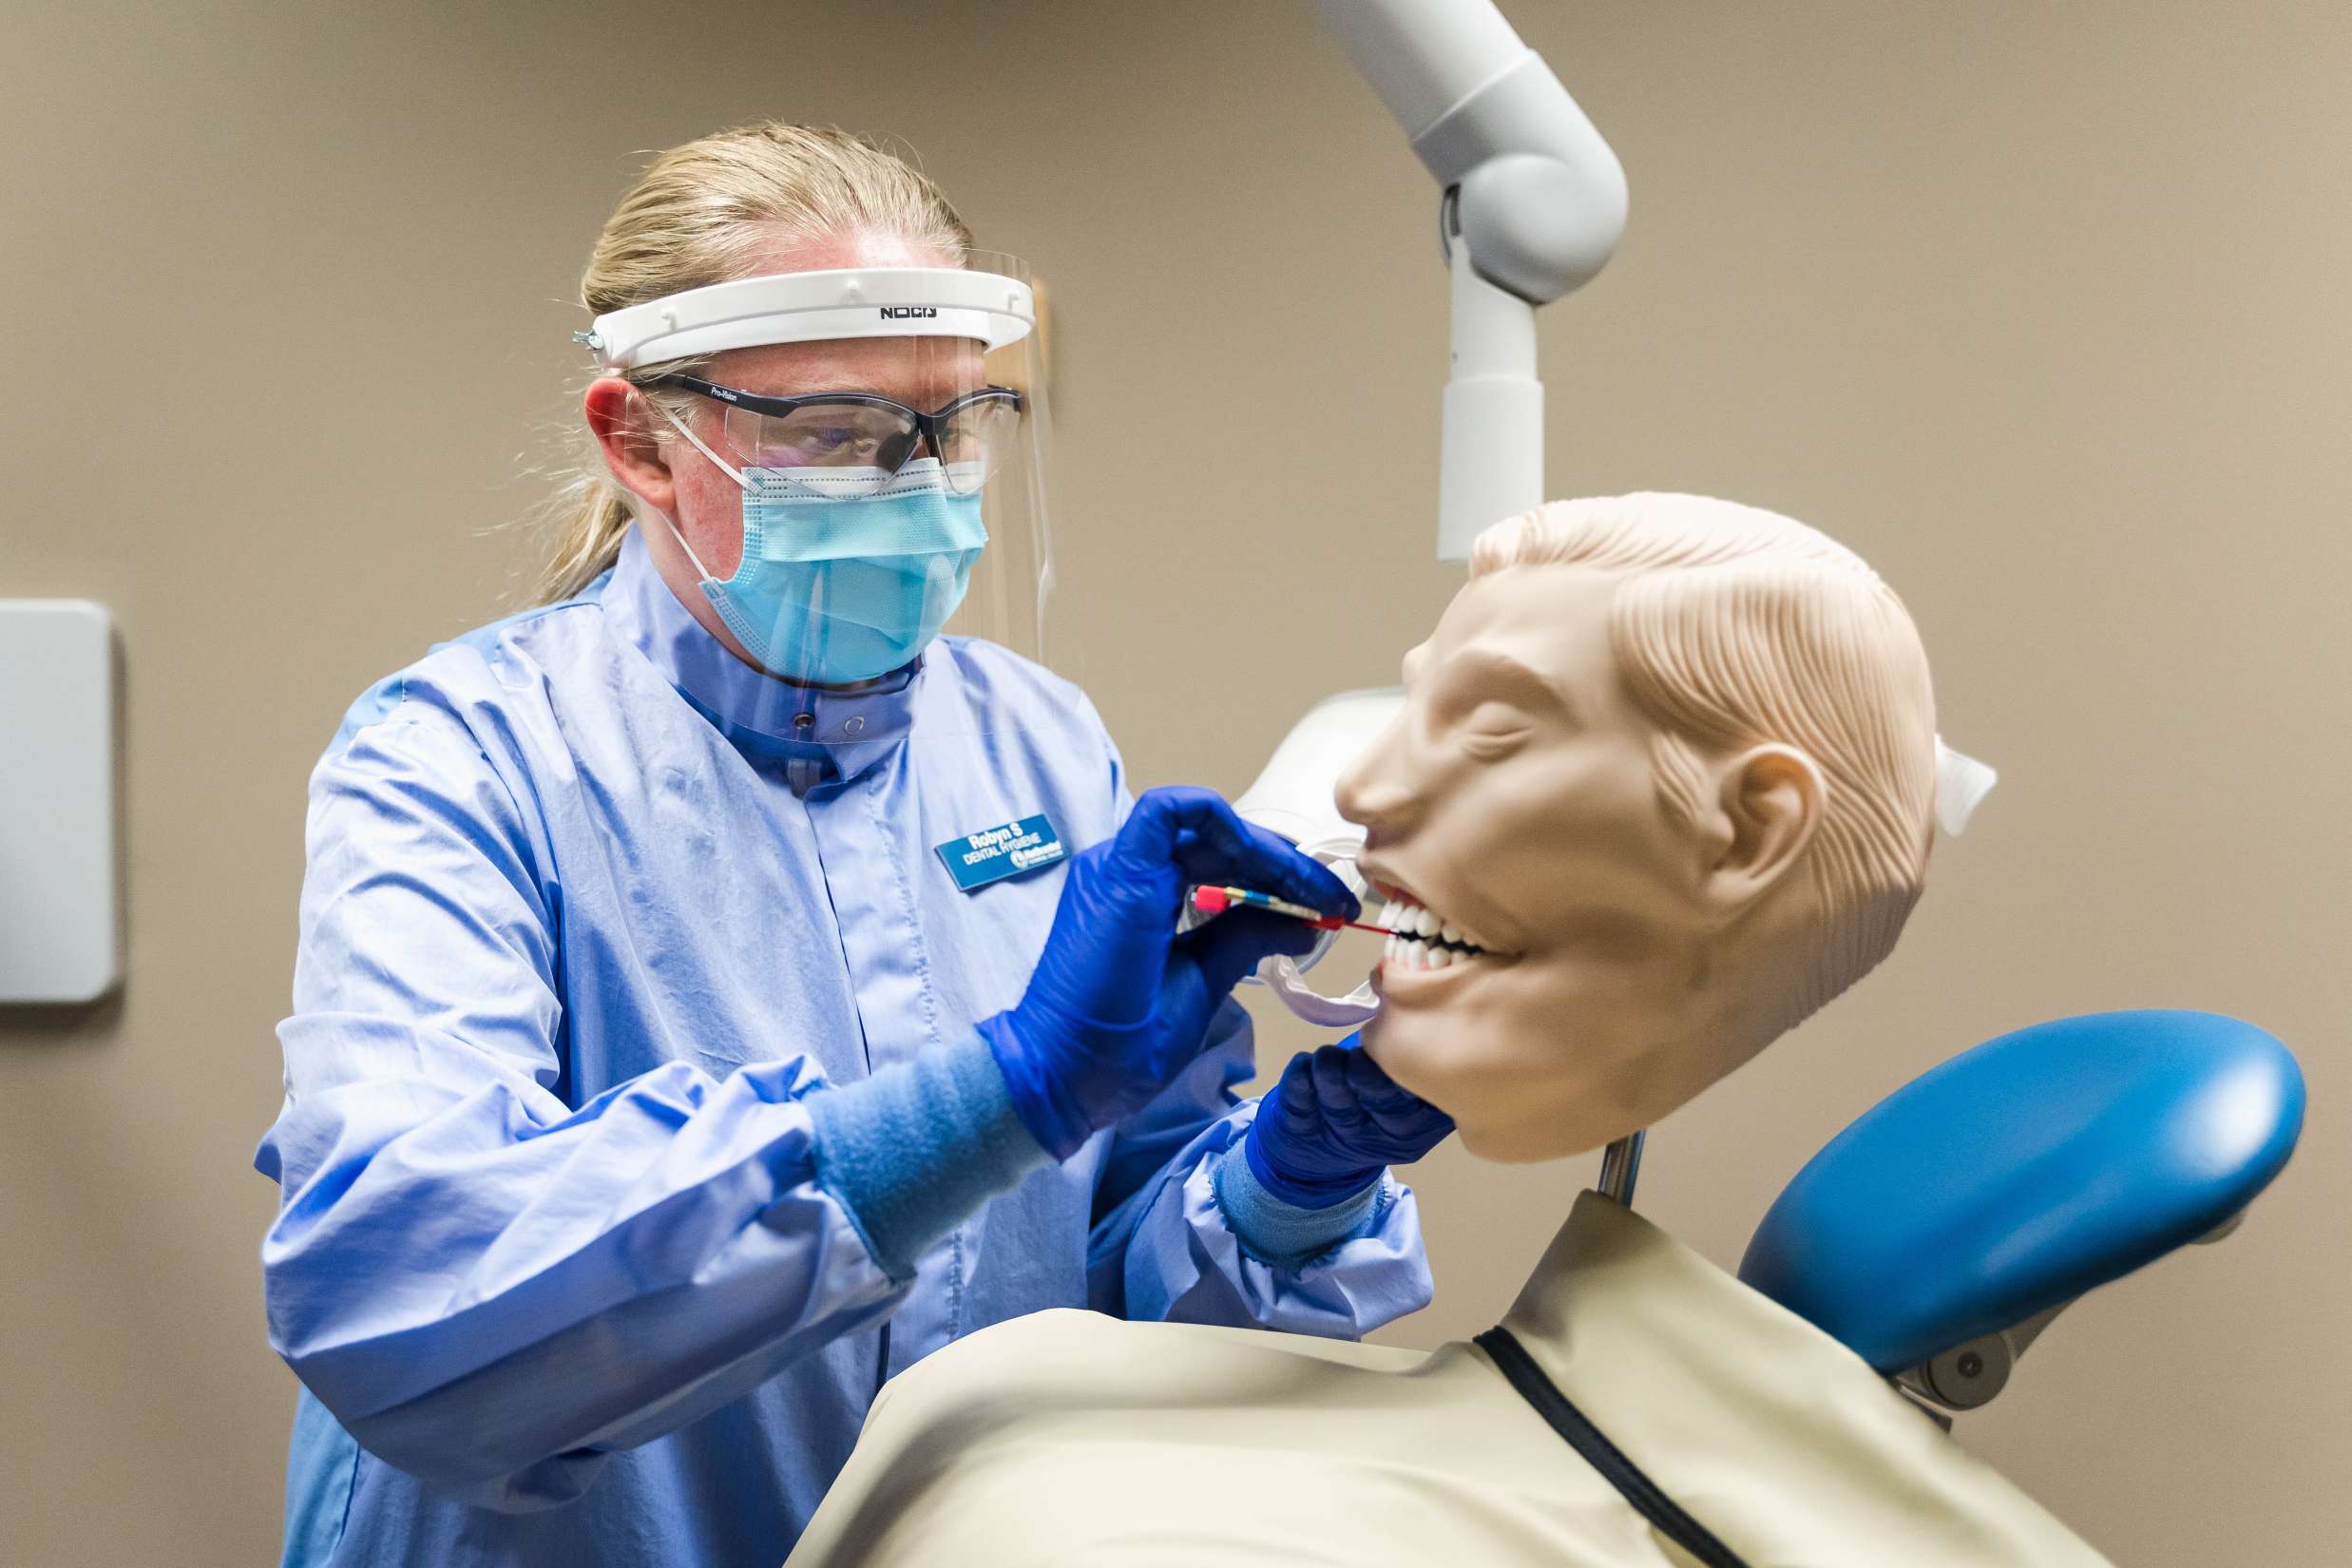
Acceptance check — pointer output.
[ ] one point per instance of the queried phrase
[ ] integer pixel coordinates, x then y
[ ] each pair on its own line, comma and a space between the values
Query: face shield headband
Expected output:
808, 307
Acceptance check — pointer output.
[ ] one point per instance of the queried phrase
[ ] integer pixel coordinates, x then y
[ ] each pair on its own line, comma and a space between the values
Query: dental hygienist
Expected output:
717, 990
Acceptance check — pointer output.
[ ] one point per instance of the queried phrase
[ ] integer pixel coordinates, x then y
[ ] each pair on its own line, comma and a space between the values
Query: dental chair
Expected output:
1939, 1234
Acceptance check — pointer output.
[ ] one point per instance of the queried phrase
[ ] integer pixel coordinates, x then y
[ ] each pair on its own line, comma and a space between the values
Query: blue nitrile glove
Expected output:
1120, 1004
1333, 1123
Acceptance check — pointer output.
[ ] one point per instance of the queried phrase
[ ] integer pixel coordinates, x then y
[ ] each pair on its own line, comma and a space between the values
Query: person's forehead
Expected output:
924, 370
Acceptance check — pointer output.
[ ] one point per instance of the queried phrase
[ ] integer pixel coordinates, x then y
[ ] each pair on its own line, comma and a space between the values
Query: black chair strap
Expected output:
1663, 1512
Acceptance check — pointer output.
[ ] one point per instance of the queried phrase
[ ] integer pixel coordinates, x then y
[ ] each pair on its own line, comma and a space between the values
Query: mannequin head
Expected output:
1669, 761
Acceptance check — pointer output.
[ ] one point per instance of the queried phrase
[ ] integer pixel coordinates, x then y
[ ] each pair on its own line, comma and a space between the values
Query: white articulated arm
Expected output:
1534, 203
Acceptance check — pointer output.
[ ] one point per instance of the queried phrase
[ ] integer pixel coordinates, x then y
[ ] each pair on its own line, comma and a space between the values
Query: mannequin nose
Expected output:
1373, 792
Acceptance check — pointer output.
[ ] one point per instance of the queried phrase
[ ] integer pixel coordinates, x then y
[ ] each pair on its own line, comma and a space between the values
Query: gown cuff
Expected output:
913, 1150
1280, 1233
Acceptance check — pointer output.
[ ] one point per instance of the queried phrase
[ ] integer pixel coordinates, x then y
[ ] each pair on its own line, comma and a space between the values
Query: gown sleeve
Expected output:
1163, 1247
485, 1285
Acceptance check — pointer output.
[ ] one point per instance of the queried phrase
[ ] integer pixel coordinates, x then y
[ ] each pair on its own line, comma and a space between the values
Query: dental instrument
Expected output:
1214, 900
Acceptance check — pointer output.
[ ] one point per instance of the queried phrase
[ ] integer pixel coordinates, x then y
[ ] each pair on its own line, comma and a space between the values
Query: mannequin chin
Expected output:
1611, 788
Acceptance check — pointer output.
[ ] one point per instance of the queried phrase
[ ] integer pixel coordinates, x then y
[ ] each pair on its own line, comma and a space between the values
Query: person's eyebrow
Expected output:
1483, 671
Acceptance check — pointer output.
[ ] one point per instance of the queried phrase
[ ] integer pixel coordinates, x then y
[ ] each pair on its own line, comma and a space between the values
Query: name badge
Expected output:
994, 853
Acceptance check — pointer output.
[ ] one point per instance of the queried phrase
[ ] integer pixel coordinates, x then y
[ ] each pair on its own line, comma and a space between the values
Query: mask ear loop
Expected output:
721, 464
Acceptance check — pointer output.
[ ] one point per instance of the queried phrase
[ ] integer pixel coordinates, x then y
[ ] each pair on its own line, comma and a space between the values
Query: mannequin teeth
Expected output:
1422, 940
1411, 953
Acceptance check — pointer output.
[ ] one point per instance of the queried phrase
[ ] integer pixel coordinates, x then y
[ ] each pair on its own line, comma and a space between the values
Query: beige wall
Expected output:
2042, 310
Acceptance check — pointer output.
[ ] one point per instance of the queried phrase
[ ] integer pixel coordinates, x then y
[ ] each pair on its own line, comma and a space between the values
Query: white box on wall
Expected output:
60, 931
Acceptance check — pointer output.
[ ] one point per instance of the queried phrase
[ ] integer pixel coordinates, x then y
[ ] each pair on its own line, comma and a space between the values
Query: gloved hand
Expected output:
1333, 1123
1120, 1004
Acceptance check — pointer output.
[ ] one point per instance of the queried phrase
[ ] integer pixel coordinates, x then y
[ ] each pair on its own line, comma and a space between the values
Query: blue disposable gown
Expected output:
591, 907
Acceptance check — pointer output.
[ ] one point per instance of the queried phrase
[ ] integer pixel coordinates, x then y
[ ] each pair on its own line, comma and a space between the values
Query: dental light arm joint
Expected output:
1534, 204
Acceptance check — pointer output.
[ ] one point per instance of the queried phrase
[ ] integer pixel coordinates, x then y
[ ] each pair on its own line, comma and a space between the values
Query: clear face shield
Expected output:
887, 429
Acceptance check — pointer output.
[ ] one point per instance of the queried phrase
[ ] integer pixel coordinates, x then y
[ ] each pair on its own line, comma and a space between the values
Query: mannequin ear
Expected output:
622, 420
1768, 802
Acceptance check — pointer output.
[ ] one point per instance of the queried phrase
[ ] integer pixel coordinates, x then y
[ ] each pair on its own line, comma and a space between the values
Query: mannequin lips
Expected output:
1397, 986
1429, 956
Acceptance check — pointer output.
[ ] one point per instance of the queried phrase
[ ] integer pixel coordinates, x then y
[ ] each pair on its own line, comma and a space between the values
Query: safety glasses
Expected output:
868, 437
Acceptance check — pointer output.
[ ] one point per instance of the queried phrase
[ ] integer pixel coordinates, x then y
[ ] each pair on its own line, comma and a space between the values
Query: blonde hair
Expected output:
703, 213
1736, 626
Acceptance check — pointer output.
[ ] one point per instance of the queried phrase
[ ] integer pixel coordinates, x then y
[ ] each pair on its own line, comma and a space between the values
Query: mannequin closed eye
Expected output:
1486, 692
1493, 731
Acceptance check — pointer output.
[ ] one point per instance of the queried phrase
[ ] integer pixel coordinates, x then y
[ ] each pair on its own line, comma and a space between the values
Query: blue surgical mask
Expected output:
834, 589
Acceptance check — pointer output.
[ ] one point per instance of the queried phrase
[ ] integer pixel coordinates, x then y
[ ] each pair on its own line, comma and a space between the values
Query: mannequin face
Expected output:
1514, 797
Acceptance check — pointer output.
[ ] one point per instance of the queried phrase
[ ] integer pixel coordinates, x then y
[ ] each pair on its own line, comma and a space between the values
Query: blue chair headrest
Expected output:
2021, 1174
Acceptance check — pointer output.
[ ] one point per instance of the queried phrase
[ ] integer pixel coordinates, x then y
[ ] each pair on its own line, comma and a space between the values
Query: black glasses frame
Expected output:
929, 427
